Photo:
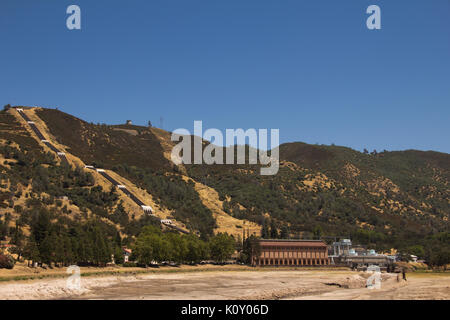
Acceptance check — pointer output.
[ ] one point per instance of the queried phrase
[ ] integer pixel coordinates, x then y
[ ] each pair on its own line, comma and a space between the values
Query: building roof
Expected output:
292, 242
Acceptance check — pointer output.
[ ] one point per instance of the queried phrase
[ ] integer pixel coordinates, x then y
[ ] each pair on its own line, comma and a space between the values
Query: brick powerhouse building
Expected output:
292, 253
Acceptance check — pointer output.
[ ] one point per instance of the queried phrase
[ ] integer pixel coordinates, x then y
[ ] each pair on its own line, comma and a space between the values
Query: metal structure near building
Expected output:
341, 247
343, 253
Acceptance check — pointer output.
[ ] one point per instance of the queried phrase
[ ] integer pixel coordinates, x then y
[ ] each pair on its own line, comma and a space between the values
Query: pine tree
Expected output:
317, 232
18, 239
118, 240
265, 231
68, 253
59, 250
273, 230
31, 251
284, 234
251, 249
118, 255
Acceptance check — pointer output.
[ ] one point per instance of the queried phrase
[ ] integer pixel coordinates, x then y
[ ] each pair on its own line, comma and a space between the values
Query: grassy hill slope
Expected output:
387, 199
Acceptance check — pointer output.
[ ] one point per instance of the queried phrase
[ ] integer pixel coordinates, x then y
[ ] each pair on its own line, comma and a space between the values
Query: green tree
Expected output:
163, 251
284, 233
31, 252
46, 250
251, 249
440, 258
118, 255
149, 245
143, 250
18, 240
273, 230
317, 232
417, 250
197, 250
40, 228
59, 250
221, 247
265, 230
68, 256
177, 246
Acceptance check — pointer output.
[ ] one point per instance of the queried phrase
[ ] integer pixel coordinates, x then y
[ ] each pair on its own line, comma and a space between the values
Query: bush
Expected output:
129, 265
6, 261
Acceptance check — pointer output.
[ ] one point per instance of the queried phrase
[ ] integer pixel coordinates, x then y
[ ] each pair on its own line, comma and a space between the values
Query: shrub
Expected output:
6, 261
129, 265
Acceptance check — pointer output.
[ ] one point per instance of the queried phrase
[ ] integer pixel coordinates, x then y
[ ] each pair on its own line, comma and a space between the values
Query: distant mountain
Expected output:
389, 199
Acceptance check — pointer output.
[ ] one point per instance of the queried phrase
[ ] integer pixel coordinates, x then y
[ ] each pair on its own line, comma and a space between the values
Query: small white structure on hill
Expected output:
147, 209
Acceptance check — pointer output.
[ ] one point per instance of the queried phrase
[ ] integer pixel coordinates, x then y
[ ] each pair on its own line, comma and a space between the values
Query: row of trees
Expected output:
93, 243
154, 245
435, 252
51, 242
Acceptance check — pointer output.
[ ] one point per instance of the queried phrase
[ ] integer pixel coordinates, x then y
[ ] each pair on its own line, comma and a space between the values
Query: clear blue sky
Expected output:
310, 68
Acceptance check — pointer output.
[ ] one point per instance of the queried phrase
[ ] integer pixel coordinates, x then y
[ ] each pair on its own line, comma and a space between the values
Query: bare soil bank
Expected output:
235, 284
22, 272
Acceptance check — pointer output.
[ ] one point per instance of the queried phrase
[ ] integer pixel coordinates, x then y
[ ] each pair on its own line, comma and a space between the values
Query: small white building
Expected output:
126, 254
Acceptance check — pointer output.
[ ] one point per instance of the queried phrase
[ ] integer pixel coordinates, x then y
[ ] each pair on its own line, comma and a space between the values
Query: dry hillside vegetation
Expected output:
384, 200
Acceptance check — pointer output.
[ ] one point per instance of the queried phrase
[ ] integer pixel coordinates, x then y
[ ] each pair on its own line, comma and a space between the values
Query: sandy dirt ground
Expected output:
239, 284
